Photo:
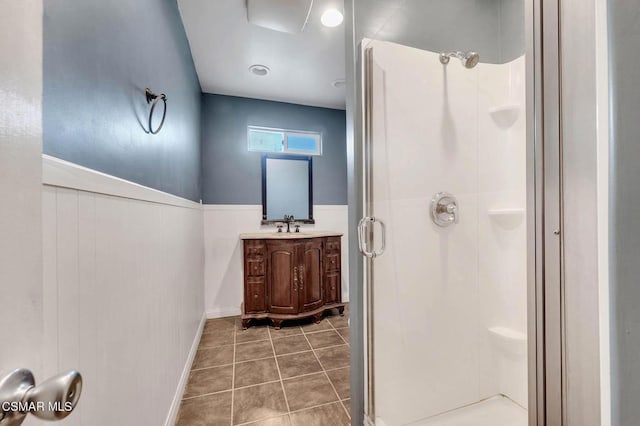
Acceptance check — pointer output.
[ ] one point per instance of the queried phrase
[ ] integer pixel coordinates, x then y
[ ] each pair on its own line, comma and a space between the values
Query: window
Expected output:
284, 141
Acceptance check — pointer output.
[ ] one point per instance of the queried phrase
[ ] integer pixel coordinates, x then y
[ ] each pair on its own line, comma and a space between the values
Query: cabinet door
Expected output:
282, 279
310, 281
254, 297
332, 288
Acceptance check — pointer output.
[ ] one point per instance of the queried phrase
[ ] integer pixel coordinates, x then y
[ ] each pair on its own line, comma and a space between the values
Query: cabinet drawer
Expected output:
254, 249
332, 288
255, 300
255, 268
332, 262
332, 244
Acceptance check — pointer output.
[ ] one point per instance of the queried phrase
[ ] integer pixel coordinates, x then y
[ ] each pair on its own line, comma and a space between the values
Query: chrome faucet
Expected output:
288, 219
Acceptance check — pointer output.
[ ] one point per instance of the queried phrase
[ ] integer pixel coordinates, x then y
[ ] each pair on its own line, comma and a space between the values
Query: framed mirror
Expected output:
287, 188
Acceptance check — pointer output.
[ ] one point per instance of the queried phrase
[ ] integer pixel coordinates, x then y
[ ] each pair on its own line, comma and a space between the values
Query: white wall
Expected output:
438, 292
223, 250
123, 286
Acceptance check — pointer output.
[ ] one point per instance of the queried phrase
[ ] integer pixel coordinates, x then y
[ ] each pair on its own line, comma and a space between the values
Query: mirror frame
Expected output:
309, 159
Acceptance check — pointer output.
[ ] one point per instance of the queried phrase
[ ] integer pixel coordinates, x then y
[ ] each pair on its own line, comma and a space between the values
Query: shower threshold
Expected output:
495, 411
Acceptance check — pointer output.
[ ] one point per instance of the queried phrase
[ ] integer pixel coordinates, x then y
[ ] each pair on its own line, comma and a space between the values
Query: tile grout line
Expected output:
233, 369
229, 390
305, 375
268, 382
344, 407
209, 368
293, 412
325, 372
308, 350
206, 394
275, 358
268, 357
315, 406
336, 330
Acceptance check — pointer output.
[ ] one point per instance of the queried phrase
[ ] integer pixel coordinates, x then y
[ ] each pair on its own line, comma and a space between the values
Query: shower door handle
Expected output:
365, 238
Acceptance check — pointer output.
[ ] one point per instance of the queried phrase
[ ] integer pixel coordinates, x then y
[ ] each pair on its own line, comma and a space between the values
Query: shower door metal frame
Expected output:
544, 203
549, 370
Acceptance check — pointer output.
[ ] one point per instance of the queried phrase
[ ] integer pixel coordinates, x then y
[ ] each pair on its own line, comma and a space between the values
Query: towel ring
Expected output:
153, 99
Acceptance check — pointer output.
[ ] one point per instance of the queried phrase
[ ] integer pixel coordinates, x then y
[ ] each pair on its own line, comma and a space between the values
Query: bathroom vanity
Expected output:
291, 275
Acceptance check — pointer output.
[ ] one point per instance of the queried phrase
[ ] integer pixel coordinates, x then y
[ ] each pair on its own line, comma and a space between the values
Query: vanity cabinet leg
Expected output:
245, 324
341, 311
277, 323
317, 318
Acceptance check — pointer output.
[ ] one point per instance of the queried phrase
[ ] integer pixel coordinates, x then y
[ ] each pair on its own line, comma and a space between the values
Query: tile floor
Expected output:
298, 375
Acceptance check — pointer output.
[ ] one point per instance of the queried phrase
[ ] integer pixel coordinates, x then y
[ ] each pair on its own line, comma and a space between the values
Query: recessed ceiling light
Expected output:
339, 83
331, 18
259, 70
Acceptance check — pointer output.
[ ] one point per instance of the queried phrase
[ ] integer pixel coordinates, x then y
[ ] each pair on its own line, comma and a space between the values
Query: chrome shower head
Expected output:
468, 59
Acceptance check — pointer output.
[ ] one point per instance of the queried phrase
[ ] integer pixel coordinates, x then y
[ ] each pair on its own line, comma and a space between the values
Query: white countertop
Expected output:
288, 235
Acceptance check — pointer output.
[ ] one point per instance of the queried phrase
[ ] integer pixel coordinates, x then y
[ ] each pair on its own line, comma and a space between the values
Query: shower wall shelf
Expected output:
507, 218
505, 116
509, 341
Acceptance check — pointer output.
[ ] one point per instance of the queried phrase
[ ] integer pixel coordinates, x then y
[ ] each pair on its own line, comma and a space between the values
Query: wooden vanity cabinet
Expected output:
290, 278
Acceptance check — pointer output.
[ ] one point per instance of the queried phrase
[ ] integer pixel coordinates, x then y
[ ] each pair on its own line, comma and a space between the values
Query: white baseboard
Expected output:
223, 312
177, 399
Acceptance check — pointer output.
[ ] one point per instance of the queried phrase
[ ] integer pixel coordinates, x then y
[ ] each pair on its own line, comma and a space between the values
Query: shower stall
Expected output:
444, 234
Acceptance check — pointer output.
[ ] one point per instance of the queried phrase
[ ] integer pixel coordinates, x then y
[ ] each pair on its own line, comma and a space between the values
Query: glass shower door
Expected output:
445, 239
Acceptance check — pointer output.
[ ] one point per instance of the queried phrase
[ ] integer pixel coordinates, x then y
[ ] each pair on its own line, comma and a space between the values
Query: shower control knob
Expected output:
444, 209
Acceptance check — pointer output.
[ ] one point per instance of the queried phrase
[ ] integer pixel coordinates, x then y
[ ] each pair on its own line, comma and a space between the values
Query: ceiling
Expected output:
303, 66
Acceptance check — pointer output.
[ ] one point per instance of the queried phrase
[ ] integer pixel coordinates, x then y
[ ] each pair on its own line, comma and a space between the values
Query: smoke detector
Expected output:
287, 16
259, 70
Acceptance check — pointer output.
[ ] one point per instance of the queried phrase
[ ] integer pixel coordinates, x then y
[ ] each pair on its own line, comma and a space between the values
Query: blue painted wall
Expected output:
99, 55
624, 243
232, 175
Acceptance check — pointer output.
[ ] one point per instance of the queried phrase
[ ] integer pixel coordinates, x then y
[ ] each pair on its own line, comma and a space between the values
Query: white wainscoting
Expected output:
223, 223
123, 293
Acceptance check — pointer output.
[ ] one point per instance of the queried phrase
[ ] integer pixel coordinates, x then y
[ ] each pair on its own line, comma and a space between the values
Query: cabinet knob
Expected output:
255, 296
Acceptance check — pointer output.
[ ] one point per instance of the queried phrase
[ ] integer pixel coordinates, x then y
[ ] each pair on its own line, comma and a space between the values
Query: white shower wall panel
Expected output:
502, 238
